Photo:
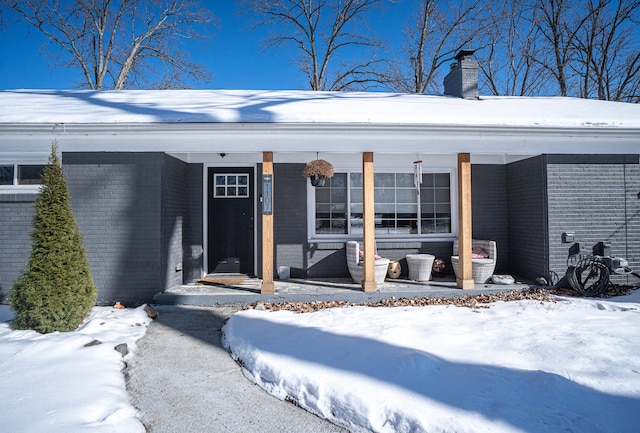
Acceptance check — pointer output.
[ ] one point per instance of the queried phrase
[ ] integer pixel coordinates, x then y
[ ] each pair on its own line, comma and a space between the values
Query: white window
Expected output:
400, 212
231, 185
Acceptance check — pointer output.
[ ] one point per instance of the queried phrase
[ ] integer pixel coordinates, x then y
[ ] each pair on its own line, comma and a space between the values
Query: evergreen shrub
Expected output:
56, 291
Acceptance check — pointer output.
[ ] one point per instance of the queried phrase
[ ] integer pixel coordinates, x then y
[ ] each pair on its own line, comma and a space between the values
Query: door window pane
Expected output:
226, 186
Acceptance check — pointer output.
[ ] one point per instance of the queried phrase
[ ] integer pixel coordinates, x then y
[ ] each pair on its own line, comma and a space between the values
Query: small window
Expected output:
15, 175
231, 186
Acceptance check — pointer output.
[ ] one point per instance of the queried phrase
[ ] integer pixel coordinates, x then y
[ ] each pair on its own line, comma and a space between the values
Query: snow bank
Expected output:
572, 365
67, 382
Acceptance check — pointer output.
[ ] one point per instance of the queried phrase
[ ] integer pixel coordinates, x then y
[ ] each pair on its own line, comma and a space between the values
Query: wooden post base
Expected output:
465, 284
267, 288
369, 286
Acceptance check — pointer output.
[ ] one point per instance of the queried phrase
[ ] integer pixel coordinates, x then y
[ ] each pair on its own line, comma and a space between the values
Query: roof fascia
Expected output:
329, 137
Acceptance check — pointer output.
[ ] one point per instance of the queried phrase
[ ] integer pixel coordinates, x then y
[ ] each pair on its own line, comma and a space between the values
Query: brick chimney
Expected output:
462, 79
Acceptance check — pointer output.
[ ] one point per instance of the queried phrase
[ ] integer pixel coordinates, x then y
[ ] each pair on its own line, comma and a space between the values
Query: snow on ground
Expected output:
572, 365
56, 383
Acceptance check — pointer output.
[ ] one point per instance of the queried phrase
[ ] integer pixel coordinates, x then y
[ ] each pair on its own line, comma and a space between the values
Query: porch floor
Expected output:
235, 293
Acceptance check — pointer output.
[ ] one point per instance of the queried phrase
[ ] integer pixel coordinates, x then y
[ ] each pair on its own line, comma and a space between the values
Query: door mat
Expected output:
221, 281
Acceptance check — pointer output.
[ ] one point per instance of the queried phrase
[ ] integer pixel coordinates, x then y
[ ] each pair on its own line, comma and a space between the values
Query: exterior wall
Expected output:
193, 234
489, 208
594, 197
174, 209
16, 217
527, 218
116, 199
290, 219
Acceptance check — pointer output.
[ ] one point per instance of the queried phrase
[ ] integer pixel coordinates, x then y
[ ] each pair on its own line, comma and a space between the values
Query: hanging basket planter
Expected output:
318, 171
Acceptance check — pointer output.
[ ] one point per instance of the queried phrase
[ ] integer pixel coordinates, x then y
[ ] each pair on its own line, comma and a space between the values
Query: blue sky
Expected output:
235, 56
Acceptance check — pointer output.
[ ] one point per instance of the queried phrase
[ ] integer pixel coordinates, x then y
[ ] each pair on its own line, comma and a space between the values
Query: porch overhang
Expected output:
321, 137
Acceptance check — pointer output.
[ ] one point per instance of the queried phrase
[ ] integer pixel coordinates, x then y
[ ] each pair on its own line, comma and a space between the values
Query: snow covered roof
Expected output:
248, 106
199, 121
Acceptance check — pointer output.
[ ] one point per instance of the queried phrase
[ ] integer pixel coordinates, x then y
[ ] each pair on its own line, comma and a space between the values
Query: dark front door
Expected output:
231, 220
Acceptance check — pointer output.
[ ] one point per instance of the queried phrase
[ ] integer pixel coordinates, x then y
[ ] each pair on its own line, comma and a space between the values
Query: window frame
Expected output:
312, 236
227, 185
16, 186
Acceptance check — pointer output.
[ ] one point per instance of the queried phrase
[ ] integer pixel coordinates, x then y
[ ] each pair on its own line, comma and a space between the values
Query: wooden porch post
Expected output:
368, 282
267, 287
465, 232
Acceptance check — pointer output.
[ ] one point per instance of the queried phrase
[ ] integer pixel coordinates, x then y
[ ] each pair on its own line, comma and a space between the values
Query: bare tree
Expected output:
438, 29
507, 64
120, 43
322, 30
608, 51
560, 23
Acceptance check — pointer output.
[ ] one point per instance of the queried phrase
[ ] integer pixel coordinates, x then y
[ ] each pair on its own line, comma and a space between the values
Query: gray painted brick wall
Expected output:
16, 217
193, 234
174, 209
595, 198
116, 199
489, 209
290, 221
527, 218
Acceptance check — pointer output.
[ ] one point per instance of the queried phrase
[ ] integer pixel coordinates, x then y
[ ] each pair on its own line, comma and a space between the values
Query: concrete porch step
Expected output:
296, 290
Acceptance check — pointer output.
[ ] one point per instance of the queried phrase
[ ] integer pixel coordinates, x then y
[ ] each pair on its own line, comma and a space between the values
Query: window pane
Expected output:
428, 181
443, 225
231, 191
243, 180
6, 174
243, 191
407, 226
339, 180
404, 180
442, 195
384, 195
30, 174
406, 195
338, 195
356, 195
442, 180
428, 226
220, 190
384, 179
323, 194
356, 180
231, 180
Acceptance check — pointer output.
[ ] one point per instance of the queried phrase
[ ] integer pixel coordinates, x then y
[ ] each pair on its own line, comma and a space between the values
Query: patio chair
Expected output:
481, 268
355, 264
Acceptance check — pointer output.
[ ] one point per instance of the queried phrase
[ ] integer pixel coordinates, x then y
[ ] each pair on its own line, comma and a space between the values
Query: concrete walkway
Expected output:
181, 379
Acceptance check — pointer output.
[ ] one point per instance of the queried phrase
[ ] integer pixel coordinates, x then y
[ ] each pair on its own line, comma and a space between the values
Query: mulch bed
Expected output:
476, 301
